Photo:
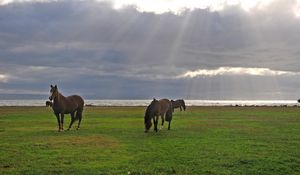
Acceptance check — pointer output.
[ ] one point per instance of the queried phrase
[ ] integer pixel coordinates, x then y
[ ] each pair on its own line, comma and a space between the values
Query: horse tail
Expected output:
79, 109
78, 113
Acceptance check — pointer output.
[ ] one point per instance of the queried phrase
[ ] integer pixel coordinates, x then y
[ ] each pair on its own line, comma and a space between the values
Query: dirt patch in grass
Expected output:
77, 141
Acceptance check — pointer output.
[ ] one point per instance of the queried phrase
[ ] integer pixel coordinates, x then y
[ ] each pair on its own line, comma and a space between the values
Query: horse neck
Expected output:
59, 98
152, 108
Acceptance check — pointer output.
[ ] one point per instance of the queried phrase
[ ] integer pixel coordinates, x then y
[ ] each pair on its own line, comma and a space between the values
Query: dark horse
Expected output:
178, 104
65, 105
158, 108
49, 103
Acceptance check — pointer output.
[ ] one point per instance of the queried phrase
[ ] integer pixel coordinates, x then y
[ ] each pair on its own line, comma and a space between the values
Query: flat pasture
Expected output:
202, 140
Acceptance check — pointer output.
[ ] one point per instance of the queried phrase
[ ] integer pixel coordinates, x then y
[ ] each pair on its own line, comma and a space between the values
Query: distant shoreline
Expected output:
142, 103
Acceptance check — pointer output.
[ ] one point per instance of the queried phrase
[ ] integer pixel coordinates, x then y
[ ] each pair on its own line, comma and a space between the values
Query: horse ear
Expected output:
51, 86
55, 86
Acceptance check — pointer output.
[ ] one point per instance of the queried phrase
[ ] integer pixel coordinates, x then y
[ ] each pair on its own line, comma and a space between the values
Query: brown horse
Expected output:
178, 104
66, 105
158, 108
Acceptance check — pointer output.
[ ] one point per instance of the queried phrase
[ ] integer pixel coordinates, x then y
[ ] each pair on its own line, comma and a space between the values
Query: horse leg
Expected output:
62, 121
156, 122
58, 121
72, 120
180, 108
169, 127
79, 116
162, 121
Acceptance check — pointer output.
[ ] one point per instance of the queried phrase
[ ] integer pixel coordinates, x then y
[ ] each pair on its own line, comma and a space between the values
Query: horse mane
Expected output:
60, 96
151, 106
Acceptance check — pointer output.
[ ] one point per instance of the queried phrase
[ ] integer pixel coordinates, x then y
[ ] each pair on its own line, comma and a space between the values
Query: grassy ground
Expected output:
202, 140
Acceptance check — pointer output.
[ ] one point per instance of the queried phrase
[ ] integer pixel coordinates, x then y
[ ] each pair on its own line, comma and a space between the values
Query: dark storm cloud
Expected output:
91, 48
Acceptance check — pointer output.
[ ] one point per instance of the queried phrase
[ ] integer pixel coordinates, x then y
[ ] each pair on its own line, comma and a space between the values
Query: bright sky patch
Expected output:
235, 71
3, 78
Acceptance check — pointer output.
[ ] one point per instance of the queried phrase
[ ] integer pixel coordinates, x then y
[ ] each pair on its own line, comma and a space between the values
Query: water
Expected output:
147, 102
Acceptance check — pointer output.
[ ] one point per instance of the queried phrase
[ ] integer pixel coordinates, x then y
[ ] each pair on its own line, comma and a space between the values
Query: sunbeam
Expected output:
178, 38
235, 71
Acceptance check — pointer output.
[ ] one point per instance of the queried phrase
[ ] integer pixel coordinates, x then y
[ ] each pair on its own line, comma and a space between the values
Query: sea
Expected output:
147, 102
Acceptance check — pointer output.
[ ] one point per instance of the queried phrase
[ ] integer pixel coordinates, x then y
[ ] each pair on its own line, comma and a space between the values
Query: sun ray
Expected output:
179, 38
235, 71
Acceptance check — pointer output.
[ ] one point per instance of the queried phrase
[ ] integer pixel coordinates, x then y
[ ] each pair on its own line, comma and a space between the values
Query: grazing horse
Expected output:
49, 103
178, 104
65, 105
158, 108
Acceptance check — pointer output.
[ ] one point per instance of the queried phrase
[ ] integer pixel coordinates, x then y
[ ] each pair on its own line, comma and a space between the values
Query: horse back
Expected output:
178, 103
76, 99
73, 103
175, 104
164, 105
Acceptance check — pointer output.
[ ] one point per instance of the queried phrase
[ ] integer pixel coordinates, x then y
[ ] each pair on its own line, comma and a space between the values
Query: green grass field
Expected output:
202, 140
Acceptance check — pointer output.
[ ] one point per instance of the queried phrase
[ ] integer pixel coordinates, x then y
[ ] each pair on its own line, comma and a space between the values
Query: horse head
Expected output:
183, 104
147, 122
53, 92
149, 114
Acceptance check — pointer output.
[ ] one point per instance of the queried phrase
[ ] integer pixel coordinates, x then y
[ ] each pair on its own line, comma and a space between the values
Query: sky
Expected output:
140, 49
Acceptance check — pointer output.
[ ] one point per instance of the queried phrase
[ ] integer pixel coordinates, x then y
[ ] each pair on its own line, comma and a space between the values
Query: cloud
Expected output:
236, 71
3, 78
5, 2
174, 6
178, 6
99, 50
